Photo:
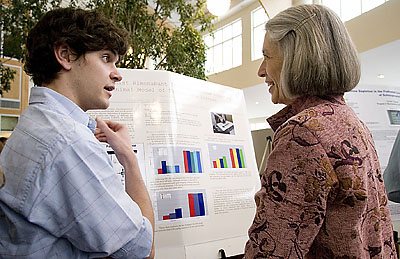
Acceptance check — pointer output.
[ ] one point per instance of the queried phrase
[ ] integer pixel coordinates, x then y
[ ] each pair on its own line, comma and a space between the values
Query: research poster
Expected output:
379, 108
195, 151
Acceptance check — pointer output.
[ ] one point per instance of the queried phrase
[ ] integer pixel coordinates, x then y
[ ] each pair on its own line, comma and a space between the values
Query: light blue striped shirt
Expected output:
61, 197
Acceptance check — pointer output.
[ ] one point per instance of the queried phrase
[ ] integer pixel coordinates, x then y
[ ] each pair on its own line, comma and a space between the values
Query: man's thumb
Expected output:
102, 125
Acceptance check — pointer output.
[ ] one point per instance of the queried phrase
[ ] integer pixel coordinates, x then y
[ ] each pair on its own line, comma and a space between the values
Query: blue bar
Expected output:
201, 204
196, 204
196, 166
221, 161
177, 169
172, 216
178, 213
199, 161
164, 167
238, 156
189, 162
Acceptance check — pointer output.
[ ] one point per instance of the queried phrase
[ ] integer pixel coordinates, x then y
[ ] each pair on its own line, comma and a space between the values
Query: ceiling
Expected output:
236, 5
383, 60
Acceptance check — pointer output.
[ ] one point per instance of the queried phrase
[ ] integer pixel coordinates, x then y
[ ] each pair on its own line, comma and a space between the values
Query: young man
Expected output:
60, 197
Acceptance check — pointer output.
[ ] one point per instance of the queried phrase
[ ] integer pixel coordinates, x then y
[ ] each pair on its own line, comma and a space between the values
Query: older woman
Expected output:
322, 193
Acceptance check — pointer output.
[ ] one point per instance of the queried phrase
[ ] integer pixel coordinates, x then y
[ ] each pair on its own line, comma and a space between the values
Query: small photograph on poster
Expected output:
394, 117
181, 204
222, 123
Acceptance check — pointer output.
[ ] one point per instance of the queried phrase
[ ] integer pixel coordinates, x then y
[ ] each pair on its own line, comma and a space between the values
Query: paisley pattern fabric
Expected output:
322, 193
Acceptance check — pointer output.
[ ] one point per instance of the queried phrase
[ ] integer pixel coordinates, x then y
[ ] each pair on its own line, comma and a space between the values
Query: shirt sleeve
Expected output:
291, 203
82, 199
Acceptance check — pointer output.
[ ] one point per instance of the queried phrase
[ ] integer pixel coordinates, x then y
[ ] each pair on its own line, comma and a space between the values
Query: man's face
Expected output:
93, 79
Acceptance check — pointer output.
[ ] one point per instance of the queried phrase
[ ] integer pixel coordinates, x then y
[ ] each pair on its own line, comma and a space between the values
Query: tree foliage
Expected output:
166, 32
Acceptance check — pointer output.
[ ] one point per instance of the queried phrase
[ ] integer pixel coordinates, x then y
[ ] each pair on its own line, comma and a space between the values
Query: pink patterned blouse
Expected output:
322, 193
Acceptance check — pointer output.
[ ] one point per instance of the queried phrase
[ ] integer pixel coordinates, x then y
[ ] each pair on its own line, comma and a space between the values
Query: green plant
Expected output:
7, 75
167, 32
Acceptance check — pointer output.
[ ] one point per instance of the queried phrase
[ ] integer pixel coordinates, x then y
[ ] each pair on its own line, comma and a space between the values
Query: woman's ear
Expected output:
63, 55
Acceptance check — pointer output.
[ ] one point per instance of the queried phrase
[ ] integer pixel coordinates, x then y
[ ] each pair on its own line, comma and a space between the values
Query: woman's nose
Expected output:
261, 70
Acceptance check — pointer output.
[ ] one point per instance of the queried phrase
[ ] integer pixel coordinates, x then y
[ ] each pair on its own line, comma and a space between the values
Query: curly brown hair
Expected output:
82, 30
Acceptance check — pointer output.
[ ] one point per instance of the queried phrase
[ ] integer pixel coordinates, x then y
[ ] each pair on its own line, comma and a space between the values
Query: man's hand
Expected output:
117, 136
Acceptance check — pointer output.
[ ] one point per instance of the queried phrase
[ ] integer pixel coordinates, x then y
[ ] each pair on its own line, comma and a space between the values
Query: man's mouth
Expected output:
109, 88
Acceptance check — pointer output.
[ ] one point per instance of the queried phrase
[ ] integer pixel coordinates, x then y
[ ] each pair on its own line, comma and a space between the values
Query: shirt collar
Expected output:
298, 105
64, 105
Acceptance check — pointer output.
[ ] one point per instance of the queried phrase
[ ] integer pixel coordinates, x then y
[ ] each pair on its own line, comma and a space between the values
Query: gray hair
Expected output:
319, 57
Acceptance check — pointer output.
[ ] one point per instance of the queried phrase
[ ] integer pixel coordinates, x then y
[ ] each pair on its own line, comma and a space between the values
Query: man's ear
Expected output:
63, 55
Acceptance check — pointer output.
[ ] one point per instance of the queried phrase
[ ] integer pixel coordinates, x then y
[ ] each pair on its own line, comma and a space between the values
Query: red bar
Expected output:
215, 164
159, 170
232, 158
185, 161
191, 205
165, 217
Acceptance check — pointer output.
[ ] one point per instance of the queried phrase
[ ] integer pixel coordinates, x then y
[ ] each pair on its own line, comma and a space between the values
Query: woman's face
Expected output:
271, 68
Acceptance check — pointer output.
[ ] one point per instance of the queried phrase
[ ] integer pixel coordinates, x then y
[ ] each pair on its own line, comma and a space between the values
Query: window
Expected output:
8, 122
258, 20
348, 9
224, 48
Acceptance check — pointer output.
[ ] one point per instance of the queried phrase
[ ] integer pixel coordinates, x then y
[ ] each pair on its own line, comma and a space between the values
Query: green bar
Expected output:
242, 158
225, 163
193, 164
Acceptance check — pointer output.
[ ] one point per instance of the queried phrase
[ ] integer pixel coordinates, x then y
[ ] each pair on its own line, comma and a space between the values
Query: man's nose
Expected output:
116, 76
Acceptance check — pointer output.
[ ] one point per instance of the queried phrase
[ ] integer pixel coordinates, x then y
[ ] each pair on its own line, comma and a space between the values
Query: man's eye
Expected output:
106, 58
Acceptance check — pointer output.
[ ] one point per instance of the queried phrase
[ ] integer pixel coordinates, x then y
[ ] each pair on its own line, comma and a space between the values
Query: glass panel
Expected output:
227, 54
259, 16
258, 40
218, 37
8, 123
208, 40
237, 51
227, 33
333, 4
350, 9
370, 4
218, 58
209, 61
237, 28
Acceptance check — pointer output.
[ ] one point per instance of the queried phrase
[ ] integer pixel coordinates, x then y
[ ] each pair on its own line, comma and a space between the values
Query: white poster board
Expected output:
195, 151
379, 108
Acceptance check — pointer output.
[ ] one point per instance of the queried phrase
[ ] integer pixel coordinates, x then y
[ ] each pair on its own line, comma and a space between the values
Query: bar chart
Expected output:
175, 159
179, 204
226, 156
